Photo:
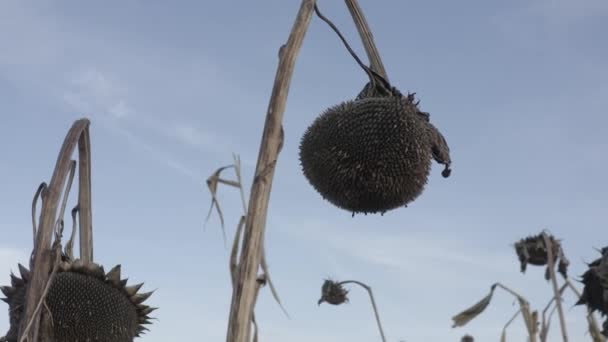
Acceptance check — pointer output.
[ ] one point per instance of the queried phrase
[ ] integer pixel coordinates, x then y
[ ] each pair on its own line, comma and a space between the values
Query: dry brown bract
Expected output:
533, 250
84, 304
595, 292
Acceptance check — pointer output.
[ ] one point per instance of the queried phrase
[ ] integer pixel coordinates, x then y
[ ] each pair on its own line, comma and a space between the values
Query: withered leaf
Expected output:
467, 315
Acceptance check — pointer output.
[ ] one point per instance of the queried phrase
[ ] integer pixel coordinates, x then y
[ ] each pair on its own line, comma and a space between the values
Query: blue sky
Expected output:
519, 89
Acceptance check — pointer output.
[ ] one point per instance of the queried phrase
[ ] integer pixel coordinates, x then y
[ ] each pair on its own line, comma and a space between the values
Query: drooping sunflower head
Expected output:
534, 251
595, 292
84, 304
372, 154
467, 338
333, 293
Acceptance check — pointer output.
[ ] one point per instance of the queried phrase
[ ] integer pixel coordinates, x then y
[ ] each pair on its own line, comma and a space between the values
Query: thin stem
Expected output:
504, 329
68, 187
41, 301
41, 189
239, 179
545, 322
367, 70
525, 311
371, 297
558, 301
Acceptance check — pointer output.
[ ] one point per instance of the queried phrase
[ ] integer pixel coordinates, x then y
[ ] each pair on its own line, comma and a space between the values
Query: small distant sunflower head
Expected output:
333, 293
467, 338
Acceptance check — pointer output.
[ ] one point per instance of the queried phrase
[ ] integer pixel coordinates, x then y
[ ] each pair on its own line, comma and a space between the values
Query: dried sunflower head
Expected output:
85, 304
333, 292
595, 292
533, 250
372, 154
467, 338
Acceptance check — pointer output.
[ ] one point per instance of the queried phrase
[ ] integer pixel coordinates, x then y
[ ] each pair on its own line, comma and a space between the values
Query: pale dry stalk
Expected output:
556, 292
243, 296
524, 306
367, 38
41, 262
503, 335
546, 321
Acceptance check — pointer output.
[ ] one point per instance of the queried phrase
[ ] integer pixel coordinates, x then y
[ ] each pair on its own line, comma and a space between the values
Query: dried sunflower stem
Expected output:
545, 322
39, 194
504, 329
41, 261
261, 281
367, 38
57, 252
243, 296
371, 297
239, 179
85, 216
525, 311
558, 298
68, 187
264, 263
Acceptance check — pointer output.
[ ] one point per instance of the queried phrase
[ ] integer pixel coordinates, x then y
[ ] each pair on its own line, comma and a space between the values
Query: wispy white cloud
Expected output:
106, 93
104, 99
94, 93
195, 137
405, 252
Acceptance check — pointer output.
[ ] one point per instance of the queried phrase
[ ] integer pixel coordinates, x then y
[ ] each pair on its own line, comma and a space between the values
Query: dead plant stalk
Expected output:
556, 291
41, 260
244, 292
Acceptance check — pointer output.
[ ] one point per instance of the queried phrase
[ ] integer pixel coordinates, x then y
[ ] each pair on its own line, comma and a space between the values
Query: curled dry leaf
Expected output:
212, 183
467, 315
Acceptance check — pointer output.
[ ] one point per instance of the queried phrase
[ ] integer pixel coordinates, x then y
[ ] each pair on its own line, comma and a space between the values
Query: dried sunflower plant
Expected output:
372, 154
62, 298
333, 292
354, 185
264, 278
545, 250
595, 293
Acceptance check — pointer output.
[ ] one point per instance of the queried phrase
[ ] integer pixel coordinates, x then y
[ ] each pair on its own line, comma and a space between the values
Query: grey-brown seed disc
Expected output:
86, 307
368, 155
83, 304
